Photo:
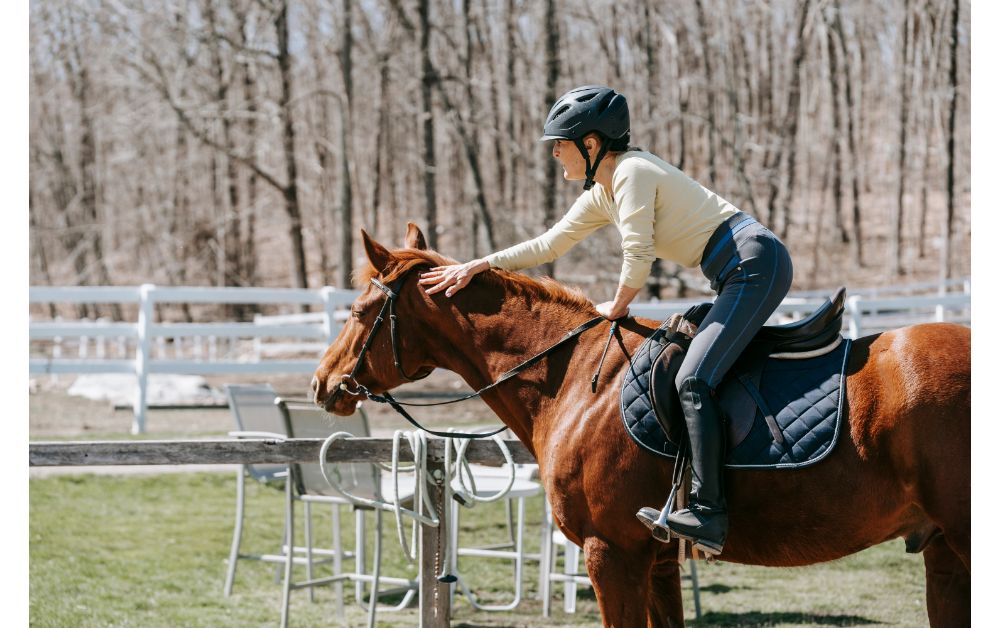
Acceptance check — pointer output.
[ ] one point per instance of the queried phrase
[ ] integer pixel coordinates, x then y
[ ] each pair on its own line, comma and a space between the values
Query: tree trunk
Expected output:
838, 160
229, 209
791, 126
551, 82
896, 239
513, 98
649, 47
427, 80
852, 152
950, 184
290, 192
706, 62
346, 111
248, 246
381, 142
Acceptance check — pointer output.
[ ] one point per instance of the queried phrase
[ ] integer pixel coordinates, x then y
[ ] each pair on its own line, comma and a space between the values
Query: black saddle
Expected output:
738, 395
814, 332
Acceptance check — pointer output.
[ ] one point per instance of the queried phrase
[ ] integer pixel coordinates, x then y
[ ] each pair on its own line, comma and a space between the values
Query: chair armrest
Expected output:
248, 434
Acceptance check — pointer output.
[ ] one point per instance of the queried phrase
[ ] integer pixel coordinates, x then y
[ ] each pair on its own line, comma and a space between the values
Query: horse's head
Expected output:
374, 350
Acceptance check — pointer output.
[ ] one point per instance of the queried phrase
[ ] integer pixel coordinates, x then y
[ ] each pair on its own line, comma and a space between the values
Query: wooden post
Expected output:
435, 596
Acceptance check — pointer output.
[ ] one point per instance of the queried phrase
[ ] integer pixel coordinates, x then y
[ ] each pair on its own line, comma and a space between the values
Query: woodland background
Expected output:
246, 142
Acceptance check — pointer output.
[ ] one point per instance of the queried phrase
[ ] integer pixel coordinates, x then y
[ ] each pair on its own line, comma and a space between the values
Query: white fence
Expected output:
145, 332
141, 349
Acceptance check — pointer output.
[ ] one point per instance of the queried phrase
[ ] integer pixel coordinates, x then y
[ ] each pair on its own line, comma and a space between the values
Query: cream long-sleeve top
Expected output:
659, 211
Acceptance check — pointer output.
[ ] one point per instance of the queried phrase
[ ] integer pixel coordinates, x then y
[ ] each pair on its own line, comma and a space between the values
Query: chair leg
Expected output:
376, 569
234, 550
359, 555
309, 548
338, 560
694, 588
519, 560
510, 520
453, 526
545, 585
290, 553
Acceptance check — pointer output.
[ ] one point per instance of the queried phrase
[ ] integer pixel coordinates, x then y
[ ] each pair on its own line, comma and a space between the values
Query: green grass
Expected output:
151, 551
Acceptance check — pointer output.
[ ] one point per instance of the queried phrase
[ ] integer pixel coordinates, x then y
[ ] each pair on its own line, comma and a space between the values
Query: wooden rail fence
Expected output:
435, 597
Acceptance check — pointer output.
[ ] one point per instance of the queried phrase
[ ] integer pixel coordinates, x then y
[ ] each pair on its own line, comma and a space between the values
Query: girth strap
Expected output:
772, 424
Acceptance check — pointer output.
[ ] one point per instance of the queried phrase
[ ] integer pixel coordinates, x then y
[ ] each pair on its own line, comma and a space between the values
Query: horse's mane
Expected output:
544, 289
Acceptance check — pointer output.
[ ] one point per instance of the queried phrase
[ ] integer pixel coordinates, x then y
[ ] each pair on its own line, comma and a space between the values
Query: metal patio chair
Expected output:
309, 486
488, 482
256, 416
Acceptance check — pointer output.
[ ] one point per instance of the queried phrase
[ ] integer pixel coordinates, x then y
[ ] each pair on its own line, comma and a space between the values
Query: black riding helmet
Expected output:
589, 109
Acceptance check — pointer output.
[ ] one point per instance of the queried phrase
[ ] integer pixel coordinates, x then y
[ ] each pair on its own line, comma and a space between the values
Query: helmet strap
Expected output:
591, 169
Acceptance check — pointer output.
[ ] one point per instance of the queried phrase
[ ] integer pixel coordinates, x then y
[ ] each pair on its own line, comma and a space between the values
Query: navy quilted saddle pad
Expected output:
804, 397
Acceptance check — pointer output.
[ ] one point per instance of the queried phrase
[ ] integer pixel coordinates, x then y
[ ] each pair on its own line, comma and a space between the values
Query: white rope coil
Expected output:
456, 468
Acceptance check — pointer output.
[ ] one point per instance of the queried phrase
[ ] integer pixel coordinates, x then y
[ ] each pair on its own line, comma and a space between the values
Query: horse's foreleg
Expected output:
949, 586
666, 608
621, 582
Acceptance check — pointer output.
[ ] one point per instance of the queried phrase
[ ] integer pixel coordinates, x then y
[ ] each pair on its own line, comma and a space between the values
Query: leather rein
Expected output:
392, 293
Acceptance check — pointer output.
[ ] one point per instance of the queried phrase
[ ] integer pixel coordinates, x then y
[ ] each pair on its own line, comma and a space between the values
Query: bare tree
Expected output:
852, 152
950, 185
896, 239
551, 83
427, 80
203, 142
791, 127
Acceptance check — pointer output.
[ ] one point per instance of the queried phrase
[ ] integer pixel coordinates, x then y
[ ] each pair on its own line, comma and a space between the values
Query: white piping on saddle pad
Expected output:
805, 355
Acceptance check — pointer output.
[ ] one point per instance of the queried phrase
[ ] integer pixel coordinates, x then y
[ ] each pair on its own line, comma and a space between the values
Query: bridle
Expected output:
389, 306
391, 294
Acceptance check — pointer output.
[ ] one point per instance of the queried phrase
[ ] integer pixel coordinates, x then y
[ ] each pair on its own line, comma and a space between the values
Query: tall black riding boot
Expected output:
705, 521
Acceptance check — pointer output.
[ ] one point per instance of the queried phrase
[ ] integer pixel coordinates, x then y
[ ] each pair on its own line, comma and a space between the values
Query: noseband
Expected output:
392, 293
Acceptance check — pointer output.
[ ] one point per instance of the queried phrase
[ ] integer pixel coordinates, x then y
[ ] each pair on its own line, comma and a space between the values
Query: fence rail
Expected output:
275, 338
253, 451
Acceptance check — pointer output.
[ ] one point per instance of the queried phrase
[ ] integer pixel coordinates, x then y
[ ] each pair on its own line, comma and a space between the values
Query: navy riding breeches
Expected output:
751, 271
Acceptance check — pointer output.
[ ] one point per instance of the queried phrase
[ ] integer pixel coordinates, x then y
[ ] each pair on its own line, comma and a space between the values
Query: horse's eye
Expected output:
356, 313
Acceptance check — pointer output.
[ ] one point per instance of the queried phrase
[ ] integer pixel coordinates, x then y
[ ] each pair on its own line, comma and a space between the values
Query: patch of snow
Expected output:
122, 388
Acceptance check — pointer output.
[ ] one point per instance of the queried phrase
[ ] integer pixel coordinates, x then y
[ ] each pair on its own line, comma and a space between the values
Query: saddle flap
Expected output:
739, 409
737, 405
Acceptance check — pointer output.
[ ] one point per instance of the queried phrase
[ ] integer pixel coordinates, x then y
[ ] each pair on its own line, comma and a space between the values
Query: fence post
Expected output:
435, 596
854, 316
142, 356
328, 312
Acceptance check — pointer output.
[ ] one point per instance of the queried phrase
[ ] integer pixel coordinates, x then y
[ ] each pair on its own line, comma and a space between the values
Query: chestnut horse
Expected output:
900, 468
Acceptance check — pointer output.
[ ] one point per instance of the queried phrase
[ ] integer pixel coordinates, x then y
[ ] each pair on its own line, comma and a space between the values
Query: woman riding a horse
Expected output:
661, 213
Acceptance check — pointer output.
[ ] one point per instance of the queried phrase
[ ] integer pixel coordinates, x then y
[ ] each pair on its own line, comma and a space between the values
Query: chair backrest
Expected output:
309, 421
253, 409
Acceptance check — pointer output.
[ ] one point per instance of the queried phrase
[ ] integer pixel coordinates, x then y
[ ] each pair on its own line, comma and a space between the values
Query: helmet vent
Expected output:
586, 97
561, 111
603, 105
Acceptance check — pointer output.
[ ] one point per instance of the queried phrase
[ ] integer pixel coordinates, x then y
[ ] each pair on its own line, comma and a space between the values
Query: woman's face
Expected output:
573, 163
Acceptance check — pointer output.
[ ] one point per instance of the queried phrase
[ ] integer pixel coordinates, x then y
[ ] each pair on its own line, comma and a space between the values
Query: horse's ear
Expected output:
414, 237
378, 255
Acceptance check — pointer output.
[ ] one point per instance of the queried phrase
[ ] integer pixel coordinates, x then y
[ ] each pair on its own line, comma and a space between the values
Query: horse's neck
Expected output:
485, 346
